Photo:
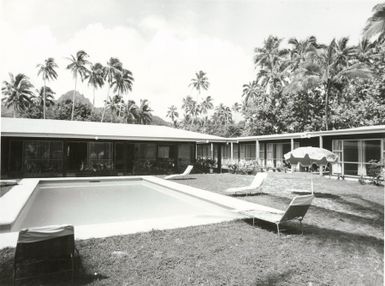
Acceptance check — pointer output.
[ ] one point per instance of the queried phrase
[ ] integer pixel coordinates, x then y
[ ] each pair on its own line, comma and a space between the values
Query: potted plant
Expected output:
211, 163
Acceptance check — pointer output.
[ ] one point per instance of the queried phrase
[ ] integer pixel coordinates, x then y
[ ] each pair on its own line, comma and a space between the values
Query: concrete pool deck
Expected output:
13, 202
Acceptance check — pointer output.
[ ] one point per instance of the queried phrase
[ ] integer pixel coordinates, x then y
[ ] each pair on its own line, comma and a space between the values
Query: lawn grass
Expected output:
343, 242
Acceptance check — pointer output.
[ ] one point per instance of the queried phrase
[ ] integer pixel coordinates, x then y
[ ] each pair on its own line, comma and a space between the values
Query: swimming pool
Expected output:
100, 207
85, 203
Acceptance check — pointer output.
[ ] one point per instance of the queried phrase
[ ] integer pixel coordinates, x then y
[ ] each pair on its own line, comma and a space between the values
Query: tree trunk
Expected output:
105, 103
44, 100
327, 106
93, 98
73, 99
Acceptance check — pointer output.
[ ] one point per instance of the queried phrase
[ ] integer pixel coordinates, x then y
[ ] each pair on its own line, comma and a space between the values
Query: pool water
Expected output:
85, 203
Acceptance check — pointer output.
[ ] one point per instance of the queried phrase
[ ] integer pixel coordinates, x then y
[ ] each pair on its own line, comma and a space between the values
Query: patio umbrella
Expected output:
307, 156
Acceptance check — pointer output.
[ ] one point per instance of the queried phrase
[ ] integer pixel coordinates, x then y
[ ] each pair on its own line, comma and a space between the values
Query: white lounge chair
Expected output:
185, 173
296, 210
254, 186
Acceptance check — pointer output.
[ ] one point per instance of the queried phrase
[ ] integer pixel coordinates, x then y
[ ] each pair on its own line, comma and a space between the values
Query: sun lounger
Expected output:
296, 210
44, 251
185, 173
252, 188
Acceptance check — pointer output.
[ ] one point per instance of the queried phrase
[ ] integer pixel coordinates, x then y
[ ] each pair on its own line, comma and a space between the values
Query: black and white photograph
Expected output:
192, 142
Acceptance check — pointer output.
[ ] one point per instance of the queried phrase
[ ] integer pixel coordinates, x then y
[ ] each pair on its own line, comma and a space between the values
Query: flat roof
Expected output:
348, 131
26, 127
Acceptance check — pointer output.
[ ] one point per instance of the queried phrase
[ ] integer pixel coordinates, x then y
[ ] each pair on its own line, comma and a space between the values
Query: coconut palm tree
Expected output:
375, 26
251, 91
95, 78
45, 97
114, 105
122, 82
113, 68
17, 93
300, 51
364, 51
272, 64
206, 105
328, 73
223, 114
200, 82
78, 67
131, 111
144, 112
270, 53
237, 107
47, 71
172, 113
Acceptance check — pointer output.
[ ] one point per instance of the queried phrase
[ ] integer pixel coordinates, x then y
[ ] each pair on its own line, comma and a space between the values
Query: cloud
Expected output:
162, 56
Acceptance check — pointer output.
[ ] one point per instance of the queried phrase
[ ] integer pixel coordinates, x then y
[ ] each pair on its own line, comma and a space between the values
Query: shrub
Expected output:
375, 170
205, 164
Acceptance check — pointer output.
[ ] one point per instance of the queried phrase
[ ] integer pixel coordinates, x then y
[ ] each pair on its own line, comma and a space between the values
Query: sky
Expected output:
165, 42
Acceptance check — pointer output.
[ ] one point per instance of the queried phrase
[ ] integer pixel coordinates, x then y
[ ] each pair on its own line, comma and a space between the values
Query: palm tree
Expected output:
270, 53
131, 111
375, 26
329, 72
301, 50
17, 93
122, 82
200, 82
172, 113
114, 105
45, 97
251, 91
272, 63
113, 68
364, 51
47, 70
206, 105
237, 107
144, 112
78, 66
95, 78
223, 114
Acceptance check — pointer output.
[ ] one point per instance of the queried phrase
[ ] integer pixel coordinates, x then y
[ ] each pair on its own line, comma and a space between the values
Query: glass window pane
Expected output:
337, 145
351, 169
372, 150
351, 151
164, 152
184, 151
235, 151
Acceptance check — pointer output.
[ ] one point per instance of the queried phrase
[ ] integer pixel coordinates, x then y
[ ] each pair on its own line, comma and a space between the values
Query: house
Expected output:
46, 148
50, 148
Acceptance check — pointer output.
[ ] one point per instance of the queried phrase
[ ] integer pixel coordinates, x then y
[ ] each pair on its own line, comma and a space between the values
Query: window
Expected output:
42, 156
235, 151
203, 151
247, 152
164, 152
337, 149
354, 155
145, 151
99, 156
184, 155
262, 151
269, 155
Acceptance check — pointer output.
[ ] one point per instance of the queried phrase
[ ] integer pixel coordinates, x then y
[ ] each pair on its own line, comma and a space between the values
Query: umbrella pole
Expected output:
311, 184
